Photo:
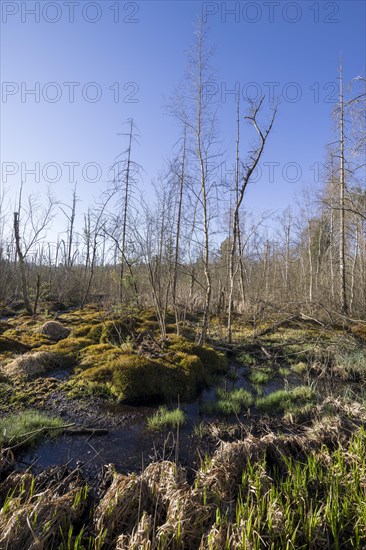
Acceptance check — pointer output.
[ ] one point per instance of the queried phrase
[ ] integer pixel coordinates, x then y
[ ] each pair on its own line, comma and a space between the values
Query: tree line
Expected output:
194, 247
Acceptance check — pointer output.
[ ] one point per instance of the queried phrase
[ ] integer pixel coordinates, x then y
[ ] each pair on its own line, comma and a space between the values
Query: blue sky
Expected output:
295, 46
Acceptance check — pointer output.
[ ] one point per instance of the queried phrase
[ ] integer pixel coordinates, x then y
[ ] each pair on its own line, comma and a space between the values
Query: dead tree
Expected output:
22, 265
243, 175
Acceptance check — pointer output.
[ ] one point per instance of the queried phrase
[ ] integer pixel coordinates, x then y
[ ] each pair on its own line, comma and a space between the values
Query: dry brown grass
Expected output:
120, 509
140, 537
158, 509
36, 523
32, 364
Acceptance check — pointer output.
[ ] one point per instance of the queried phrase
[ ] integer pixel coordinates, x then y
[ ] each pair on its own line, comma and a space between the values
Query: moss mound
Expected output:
9, 344
26, 337
99, 355
33, 364
69, 349
114, 332
54, 330
134, 378
214, 361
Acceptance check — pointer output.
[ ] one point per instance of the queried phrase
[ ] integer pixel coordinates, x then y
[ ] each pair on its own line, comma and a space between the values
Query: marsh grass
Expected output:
284, 371
260, 376
165, 418
307, 502
300, 367
227, 403
246, 359
13, 428
285, 400
295, 491
350, 364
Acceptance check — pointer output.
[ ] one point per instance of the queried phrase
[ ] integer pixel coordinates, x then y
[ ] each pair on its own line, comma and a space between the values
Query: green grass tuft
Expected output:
285, 400
350, 365
246, 358
229, 402
260, 376
165, 418
14, 427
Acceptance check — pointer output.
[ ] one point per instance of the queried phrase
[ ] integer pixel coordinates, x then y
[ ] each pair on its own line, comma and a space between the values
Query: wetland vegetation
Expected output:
176, 371
256, 444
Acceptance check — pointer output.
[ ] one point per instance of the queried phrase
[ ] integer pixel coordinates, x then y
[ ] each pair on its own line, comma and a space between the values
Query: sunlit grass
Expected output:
165, 418
13, 428
232, 402
246, 358
350, 365
284, 400
305, 503
260, 376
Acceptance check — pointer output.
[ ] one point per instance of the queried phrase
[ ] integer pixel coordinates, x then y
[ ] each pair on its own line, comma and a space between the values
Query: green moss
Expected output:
9, 344
85, 331
28, 337
147, 326
188, 372
70, 349
99, 355
136, 378
214, 361
114, 332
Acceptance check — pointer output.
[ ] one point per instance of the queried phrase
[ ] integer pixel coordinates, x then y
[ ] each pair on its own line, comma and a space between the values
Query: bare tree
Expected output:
35, 223
243, 174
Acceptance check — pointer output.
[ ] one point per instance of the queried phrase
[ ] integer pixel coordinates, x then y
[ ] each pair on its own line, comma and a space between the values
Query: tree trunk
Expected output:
342, 184
21, 259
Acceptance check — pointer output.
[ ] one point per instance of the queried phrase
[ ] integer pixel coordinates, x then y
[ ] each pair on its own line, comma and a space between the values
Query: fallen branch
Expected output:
69, 429
275, 326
